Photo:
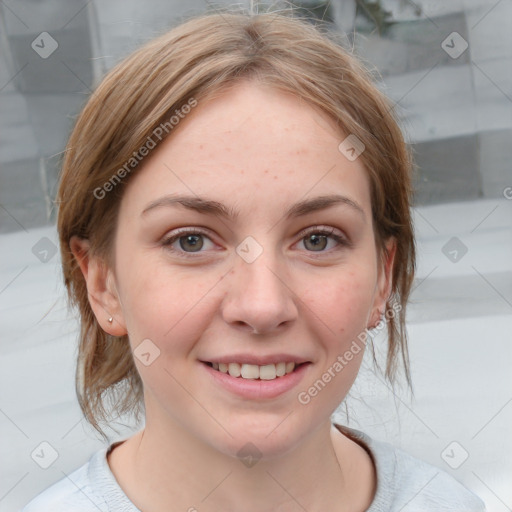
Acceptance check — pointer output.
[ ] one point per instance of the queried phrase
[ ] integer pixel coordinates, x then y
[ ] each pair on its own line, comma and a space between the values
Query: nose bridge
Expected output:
258, 294
262, 277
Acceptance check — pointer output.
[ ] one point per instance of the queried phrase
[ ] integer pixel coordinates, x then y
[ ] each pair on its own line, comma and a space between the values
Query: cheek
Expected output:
164, 304
344, 307
338, 311
344, 300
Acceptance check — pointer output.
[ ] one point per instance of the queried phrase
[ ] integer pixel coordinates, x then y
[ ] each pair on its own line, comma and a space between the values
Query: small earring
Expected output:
110, 320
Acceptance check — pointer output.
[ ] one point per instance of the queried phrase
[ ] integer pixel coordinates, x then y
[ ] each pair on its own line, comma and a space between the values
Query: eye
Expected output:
186, 241
317, 239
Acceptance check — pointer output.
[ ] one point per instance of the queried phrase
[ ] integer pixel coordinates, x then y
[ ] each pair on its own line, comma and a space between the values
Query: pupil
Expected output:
194, 240
318, 239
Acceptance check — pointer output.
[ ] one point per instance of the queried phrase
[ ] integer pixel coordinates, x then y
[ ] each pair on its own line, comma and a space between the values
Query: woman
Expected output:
234, 218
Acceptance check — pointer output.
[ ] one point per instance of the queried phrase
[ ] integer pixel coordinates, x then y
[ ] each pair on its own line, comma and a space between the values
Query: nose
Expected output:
259, 298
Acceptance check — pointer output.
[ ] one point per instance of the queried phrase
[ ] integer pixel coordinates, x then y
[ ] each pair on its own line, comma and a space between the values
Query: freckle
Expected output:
275, 177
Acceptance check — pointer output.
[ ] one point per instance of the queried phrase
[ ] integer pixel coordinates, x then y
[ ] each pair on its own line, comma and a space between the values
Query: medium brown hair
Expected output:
202, 55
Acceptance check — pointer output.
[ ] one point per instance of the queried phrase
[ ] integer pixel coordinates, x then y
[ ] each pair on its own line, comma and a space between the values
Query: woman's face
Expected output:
246, 249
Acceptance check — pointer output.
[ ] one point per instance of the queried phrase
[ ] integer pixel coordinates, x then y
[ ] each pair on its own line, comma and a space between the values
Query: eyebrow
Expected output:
209, 206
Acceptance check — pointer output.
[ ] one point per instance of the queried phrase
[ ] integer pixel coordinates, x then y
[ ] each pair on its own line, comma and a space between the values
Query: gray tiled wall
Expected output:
456, 111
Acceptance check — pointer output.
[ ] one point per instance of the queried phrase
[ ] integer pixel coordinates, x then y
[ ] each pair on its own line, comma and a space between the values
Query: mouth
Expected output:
254, 371
255, 382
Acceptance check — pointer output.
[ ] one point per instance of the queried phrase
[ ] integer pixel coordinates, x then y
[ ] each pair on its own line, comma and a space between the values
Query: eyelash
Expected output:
330, 232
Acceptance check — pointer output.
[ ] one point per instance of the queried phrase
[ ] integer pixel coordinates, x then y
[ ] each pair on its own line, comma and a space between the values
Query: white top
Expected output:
404, 484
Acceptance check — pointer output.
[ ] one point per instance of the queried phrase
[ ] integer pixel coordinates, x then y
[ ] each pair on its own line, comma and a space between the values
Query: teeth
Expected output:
250, 371
253, 371
234, 369
268, 372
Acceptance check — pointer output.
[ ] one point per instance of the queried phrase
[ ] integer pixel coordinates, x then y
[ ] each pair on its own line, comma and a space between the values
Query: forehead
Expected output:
251, 144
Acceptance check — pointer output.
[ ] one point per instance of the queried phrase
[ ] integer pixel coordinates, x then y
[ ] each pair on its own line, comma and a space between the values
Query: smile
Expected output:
254, 371
256, 382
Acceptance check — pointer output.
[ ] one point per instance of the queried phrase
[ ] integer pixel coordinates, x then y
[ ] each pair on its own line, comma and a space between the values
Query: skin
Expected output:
257, 150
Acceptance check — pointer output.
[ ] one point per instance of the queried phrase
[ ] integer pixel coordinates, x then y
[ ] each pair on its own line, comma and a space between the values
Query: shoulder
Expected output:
75, 492
420, 486
409, 484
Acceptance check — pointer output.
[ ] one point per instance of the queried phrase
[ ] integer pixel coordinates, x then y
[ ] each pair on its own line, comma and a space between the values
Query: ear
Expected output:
101, 288
384, 281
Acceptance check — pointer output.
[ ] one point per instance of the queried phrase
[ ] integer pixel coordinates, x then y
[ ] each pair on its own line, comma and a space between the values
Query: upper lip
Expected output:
258, 360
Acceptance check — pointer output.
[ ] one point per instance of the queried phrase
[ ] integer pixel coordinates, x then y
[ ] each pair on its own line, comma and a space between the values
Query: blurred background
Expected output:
447, 66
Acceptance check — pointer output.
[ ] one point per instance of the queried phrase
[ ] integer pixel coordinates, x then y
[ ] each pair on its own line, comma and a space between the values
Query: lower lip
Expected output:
257, 388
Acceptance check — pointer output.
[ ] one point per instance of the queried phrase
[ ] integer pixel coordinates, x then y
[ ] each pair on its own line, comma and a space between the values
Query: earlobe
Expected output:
101, 289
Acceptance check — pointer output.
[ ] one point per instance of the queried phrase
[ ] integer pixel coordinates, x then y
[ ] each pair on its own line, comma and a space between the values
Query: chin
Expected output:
267, 440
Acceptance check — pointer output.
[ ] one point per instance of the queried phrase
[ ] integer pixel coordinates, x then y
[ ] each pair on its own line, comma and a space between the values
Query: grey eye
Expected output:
195, 242
318, 242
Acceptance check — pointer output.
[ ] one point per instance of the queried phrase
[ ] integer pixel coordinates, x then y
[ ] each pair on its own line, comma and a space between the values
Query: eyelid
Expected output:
188, 230
319, 228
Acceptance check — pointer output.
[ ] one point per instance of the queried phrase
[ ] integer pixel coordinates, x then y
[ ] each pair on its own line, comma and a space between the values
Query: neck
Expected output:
169, 466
